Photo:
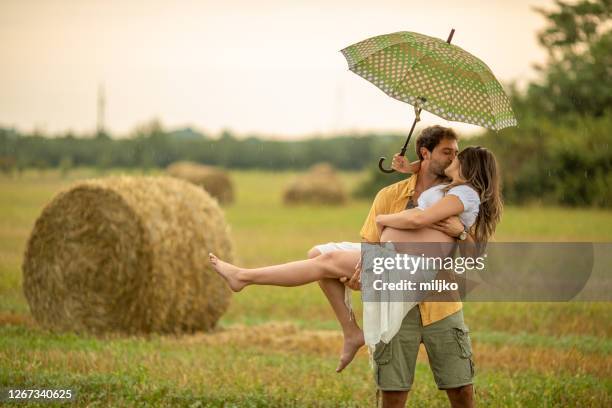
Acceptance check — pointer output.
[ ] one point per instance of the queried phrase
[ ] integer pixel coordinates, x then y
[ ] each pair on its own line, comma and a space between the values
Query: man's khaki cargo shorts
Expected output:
448, 346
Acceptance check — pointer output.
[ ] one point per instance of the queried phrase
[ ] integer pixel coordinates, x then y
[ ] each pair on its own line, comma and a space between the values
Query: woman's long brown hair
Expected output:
478, 167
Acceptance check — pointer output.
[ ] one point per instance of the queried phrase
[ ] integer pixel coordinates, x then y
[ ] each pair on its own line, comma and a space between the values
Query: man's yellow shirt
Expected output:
393, 199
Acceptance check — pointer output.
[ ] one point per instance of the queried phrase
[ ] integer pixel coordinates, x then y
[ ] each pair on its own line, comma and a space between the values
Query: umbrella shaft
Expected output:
403, 151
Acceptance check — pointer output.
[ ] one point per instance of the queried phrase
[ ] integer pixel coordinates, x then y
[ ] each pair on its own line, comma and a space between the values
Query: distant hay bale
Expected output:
319, 185
212, 179
127, 254
322, 168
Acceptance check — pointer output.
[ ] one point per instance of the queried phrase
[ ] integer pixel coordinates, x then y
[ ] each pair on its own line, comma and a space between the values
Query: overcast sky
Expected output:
264, 67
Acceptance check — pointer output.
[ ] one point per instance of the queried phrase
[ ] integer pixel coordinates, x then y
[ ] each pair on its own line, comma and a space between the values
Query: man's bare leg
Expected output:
394, 399
461, 397
353, 335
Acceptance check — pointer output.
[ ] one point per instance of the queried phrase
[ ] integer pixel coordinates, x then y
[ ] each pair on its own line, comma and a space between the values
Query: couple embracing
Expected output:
450, 197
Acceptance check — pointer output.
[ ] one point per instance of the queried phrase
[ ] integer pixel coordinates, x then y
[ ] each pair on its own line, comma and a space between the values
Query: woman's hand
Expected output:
401, 165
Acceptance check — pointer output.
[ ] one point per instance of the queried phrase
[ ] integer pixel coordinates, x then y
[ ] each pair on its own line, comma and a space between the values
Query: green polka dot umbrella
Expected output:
433, 75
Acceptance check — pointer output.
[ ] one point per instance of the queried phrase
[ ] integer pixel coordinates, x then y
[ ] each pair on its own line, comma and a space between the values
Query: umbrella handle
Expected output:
382, 159
417, 118
380, 166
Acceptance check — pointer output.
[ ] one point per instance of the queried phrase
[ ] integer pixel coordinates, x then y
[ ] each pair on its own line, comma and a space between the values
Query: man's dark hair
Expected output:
432, 136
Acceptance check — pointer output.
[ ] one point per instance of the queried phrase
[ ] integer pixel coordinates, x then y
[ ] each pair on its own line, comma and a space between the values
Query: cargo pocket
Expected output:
383, 353
382, 356
463, 339
472, 367
465, 346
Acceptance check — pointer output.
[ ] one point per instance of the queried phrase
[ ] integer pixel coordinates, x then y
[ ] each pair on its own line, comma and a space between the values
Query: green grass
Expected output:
527, 354
159, 371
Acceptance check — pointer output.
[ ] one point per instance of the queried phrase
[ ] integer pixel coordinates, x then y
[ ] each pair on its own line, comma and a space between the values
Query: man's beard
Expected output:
438, 170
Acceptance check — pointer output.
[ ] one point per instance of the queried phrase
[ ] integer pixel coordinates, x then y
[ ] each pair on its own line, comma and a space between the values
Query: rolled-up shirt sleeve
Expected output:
369, 232
468, 196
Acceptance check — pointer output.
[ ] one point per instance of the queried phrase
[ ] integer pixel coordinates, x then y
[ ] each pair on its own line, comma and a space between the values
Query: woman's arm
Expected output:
416, 218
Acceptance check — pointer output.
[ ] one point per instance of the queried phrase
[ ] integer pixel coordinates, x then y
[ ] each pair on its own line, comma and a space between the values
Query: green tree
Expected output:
576, 78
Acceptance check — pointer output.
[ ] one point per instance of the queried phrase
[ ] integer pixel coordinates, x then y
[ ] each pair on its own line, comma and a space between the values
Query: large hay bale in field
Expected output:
319, 185
212, 179
127, 254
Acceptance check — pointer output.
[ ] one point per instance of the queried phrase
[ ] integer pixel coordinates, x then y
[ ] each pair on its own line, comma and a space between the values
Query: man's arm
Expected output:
417, 218
369, 231
400, 164
453, 227
379, 228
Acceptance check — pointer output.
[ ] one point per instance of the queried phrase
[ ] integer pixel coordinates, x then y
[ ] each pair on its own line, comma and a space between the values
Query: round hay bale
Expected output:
322, 168
127, 254
319, 185
212, 179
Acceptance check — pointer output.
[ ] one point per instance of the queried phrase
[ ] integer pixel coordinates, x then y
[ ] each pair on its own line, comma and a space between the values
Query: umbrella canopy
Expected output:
434, 75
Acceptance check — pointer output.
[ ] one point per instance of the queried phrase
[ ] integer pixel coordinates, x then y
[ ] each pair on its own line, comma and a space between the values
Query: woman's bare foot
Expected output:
228, 271
352, 344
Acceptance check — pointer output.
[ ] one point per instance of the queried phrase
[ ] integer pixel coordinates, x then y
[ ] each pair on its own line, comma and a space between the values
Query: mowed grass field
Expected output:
279, 346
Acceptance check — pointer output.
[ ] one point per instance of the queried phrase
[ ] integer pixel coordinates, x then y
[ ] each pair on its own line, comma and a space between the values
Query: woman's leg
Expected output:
329, 265
353, 335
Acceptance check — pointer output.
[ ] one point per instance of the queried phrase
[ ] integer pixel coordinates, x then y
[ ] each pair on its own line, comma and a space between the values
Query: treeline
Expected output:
153, 147
543, 160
